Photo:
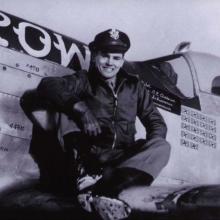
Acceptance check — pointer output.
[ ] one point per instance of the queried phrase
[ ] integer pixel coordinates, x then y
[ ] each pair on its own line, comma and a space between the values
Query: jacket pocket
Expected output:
131, 129
126, 132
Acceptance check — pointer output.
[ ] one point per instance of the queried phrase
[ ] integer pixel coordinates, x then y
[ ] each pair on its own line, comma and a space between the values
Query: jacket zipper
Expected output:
114, 115
115, 94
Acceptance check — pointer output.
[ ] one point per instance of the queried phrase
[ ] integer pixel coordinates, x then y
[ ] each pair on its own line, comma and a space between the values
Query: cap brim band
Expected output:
108, 48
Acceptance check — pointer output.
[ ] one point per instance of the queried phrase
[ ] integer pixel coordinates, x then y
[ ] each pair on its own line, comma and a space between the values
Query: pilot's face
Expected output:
108, 64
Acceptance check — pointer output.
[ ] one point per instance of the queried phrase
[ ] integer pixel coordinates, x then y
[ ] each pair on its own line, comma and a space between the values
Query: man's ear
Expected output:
123, 61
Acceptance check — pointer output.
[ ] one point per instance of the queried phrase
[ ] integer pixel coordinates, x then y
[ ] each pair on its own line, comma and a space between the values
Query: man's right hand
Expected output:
90, 124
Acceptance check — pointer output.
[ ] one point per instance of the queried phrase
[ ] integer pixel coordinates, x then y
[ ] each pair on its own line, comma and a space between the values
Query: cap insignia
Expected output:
114, 34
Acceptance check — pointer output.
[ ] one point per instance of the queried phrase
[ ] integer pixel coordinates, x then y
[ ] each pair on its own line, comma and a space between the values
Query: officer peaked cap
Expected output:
112, 41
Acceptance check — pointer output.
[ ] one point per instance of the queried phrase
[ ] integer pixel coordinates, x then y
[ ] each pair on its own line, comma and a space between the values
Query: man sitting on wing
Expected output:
98, 112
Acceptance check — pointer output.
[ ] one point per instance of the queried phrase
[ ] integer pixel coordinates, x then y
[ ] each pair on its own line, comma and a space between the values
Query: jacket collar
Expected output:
129, 76
122, 76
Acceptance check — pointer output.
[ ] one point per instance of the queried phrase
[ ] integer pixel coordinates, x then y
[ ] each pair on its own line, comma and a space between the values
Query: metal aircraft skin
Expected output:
185, 86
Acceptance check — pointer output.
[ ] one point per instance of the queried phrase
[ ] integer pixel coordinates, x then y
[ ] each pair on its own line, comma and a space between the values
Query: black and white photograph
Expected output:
109, 110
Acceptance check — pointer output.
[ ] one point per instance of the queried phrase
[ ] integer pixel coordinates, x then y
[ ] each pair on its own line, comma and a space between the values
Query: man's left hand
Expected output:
90, 124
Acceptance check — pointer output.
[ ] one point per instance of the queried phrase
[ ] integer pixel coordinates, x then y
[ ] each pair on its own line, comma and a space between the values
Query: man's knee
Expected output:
165, 150
156, 156
159, 146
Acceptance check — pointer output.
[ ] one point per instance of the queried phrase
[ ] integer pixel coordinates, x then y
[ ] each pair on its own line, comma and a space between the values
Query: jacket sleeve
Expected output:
64, 92
149, 115
39, 112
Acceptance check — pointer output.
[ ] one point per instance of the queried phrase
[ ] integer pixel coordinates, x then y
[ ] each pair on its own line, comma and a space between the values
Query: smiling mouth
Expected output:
108, 69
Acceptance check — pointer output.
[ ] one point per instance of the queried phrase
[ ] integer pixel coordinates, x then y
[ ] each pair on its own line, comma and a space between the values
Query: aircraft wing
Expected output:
200, 202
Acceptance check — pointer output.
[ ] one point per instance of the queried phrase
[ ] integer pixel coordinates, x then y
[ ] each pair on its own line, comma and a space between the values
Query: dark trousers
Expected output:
52, 161
138, 164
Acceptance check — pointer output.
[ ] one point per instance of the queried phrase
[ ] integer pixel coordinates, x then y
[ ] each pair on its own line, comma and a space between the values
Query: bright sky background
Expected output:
155, 27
